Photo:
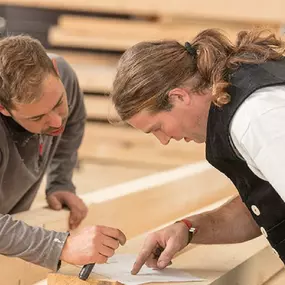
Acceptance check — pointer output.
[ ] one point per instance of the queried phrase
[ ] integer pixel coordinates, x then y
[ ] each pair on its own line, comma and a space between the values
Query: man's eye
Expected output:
36, 119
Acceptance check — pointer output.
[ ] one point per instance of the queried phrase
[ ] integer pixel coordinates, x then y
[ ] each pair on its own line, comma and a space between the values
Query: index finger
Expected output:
144, 254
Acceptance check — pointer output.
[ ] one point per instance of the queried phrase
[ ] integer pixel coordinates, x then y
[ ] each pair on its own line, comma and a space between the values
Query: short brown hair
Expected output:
149, 70
24, 64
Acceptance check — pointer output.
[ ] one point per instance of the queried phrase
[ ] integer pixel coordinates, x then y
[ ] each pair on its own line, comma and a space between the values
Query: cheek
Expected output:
34, 127
172, 128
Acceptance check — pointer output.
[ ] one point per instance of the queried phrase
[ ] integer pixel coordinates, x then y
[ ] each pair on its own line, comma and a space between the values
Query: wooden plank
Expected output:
277, 279
130, 137
65, 38
100, 33
251, 262
100, 107
108, 152
95, 78
255, 11
91, 177
180, 28
91, 58
179, 195
112, 206
95, 72
133, 245
123, 146
61, 279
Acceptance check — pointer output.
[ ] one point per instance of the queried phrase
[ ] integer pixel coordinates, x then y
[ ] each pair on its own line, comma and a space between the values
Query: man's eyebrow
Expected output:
41, 115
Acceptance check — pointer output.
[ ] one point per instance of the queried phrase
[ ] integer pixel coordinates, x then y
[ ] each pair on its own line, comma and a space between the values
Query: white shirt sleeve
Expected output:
258, 133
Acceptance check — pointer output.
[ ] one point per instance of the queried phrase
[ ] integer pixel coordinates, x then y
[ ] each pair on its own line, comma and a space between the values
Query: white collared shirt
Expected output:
258, 133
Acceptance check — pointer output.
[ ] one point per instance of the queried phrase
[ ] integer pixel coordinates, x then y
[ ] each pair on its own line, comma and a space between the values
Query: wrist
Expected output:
191, 229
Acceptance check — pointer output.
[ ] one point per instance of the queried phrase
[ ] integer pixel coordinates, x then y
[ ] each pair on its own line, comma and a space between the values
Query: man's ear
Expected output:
4, 111
55, 66
179, 95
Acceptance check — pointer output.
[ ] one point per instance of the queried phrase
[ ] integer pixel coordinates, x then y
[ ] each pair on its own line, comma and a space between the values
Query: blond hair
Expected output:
149, 70
24, 64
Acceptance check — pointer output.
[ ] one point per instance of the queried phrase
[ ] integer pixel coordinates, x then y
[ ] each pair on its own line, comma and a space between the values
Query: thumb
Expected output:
54, 202
167, 254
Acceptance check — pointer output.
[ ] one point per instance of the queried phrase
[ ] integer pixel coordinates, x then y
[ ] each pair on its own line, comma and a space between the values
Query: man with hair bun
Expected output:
230, 96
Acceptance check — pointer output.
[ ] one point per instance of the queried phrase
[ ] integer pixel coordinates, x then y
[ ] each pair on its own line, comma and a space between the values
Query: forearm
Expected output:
230, 223
32, 244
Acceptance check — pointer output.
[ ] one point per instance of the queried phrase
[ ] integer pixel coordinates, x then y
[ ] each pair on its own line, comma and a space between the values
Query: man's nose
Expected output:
55, 120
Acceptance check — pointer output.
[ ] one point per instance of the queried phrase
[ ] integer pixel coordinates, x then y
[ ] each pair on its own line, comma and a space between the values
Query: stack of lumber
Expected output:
92, 35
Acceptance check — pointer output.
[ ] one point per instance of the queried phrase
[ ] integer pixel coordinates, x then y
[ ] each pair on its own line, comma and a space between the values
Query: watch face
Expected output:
192, 231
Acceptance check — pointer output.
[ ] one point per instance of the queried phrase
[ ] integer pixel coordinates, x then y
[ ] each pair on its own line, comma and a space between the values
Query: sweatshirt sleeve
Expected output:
17, 239
32, 244
65, 158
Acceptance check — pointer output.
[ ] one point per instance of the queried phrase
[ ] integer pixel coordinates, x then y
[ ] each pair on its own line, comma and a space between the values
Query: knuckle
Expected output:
152, 236
92, 231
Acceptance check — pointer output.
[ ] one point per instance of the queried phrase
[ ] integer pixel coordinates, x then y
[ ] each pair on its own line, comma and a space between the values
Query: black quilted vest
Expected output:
264, 203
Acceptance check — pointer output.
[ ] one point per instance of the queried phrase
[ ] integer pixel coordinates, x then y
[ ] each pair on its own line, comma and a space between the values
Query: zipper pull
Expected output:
41, 146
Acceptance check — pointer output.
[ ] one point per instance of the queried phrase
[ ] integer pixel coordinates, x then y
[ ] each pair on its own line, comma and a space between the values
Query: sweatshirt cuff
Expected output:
52, 260
68, 188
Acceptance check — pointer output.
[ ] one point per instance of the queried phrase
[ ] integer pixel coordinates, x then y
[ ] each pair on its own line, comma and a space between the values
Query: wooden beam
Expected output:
179, 28
132, 246
91, 177
126, 146
95, 71
251, 262
100, 107
98, 33
65, 38
61, 279
277, 279
112, 206
249, 11
129, 138
91, 58
95, 78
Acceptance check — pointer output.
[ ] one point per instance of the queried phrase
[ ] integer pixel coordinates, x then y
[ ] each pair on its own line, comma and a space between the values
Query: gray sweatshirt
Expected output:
22, 170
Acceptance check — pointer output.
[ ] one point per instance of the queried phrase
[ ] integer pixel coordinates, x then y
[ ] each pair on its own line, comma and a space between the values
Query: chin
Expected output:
199, 140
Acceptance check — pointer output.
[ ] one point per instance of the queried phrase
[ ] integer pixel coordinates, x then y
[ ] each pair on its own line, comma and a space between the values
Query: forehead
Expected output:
51, 91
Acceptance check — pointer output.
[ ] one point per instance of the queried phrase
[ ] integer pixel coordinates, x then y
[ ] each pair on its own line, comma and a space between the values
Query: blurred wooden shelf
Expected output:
246, 11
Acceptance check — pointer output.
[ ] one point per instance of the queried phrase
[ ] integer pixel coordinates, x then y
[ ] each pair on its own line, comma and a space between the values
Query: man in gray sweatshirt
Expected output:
42, 117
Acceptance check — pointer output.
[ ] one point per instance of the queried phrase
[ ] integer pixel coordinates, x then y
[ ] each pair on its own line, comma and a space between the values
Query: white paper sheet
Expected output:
119, 268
